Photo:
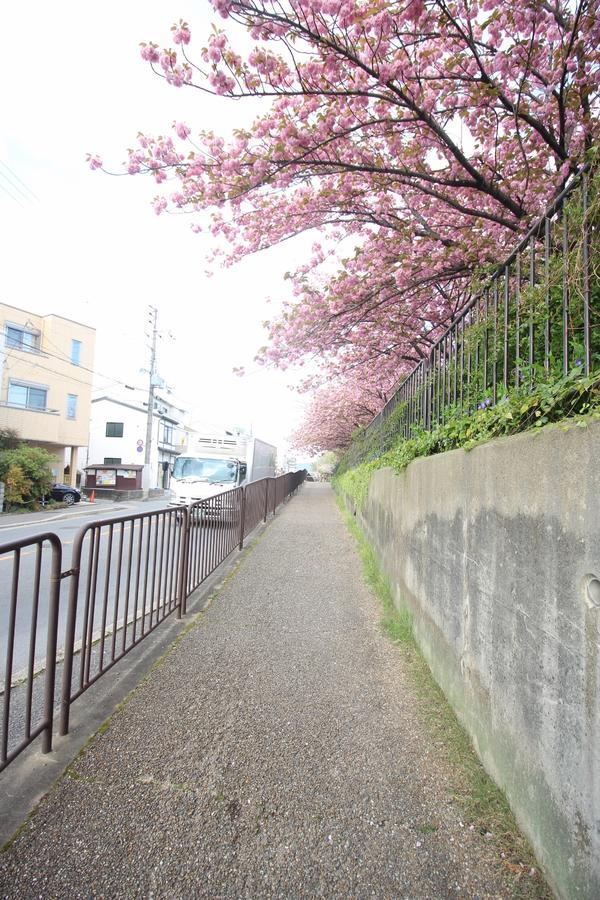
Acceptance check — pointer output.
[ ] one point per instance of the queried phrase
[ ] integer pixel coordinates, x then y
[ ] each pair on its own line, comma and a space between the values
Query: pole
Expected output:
153, 318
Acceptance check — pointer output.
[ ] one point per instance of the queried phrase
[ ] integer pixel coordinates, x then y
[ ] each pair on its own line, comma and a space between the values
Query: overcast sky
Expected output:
88, 246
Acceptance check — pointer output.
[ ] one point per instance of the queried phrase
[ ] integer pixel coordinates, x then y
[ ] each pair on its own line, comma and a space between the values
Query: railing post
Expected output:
267, 483
242, 517
51, 640
587, 331
65, 701
183, 558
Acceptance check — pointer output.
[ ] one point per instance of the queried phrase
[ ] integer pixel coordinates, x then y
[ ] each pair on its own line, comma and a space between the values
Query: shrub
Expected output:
26, 473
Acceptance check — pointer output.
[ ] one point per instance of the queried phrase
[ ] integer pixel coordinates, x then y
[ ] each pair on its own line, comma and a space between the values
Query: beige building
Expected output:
46, 368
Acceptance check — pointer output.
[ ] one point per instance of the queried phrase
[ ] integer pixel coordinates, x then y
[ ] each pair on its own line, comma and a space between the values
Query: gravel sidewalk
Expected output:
276, 752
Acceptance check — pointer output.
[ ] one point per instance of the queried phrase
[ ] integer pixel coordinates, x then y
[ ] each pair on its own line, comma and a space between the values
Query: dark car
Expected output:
64, 493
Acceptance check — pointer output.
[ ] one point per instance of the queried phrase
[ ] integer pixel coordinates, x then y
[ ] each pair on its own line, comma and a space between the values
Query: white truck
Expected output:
212, 465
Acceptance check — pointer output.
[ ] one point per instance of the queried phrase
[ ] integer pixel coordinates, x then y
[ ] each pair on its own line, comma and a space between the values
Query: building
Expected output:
118, 437
46, 370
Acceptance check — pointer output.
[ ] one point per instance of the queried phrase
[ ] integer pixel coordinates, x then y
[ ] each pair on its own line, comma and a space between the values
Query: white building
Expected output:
118, 433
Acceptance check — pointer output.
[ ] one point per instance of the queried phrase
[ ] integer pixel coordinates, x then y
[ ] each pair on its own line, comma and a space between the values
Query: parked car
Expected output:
64, 493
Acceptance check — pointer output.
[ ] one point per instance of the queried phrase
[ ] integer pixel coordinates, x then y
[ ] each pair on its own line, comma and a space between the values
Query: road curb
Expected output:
60, 517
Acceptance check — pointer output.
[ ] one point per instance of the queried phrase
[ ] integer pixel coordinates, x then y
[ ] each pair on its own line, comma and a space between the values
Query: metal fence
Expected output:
537, 315
213, 533
127, 575
125, 578
34, 600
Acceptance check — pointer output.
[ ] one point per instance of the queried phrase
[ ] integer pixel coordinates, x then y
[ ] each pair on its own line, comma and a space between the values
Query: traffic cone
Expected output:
92, 496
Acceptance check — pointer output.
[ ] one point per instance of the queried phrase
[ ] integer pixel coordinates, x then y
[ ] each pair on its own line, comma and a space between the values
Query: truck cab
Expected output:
199, 477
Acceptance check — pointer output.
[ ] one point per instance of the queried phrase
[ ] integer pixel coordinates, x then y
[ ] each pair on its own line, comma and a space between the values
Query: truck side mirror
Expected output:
243, 471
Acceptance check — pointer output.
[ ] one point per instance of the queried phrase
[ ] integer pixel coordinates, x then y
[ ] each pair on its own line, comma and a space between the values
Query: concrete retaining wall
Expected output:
497, 554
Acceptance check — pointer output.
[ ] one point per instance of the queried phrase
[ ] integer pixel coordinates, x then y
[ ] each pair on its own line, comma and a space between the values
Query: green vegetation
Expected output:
483, 804
9, 439
572, 400
527, 329
26, 474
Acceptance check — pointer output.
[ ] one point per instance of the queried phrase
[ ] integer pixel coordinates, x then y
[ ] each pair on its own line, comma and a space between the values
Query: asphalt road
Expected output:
65, 524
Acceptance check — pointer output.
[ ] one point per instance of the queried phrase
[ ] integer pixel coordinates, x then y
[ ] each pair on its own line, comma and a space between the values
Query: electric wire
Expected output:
20, 180
12, 197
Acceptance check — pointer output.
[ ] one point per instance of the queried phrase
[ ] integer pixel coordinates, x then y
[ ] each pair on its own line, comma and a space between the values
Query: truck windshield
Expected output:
221, 471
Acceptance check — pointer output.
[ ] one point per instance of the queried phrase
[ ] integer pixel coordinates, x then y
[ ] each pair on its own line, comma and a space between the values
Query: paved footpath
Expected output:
276, 752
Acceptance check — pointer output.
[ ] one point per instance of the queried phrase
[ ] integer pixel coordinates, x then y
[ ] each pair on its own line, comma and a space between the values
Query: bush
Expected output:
568, 398
16, 486
9, 439
26, 473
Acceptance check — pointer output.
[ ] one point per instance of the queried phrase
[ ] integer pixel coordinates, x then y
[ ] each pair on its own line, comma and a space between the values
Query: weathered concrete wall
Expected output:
497, 554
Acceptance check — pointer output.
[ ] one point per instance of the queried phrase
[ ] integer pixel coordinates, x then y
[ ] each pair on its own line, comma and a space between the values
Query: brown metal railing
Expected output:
213, 534
127, 575
125, 579
46, 576
256, 499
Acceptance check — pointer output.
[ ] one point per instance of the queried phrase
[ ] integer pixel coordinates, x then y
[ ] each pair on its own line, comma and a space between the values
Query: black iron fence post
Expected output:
183, 562
51, 641
65, 701
242, 518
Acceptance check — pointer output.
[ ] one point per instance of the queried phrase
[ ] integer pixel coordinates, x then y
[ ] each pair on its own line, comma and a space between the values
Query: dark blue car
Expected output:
65, 493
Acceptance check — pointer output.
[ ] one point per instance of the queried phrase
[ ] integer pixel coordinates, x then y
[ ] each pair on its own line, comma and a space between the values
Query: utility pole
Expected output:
152, 320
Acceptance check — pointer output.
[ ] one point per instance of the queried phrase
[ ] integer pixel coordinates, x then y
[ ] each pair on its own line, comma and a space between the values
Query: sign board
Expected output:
106, 478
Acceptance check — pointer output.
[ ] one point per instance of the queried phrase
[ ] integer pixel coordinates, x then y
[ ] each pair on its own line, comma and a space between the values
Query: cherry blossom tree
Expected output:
416, 139
335, 411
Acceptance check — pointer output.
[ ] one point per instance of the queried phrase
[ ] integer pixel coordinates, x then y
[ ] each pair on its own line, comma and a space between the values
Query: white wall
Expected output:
134, 430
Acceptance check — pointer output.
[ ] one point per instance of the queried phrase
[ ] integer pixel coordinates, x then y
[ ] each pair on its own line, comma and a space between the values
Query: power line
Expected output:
9, 355
62, 357
20, 180
15, 187
12, 196
149, 422
70, 378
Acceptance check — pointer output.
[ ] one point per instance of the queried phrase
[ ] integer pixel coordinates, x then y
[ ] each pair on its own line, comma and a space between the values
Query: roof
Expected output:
30, 312
141, 409
113, 466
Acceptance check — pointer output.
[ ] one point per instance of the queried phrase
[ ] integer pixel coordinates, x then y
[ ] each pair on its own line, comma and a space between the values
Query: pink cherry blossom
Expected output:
149, 52
181, 130
181, 33
419, 142
94, 161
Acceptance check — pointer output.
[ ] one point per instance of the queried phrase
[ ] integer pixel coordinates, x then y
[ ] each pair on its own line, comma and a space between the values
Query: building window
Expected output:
22, 339
167, 434
75, 352
71, 406
27, 396
114, 429
112, 460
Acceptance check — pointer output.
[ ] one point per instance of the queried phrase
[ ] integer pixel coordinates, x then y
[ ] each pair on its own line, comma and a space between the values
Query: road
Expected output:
66, 524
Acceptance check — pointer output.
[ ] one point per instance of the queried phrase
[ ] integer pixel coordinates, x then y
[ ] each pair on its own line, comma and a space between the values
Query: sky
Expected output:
88, 246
